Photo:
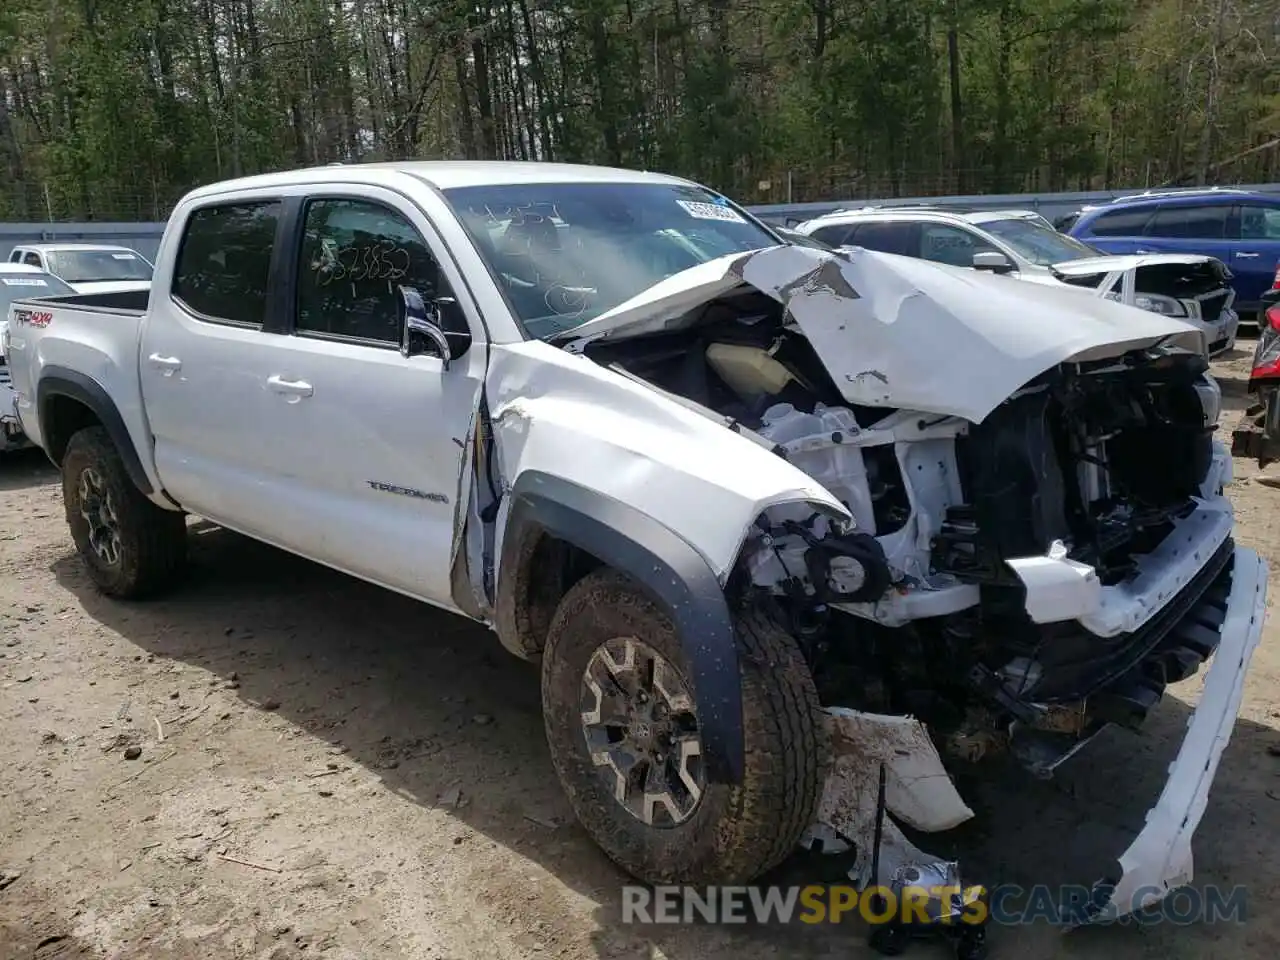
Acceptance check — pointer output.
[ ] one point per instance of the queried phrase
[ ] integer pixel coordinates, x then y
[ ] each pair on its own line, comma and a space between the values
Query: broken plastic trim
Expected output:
919, 791
1160, 859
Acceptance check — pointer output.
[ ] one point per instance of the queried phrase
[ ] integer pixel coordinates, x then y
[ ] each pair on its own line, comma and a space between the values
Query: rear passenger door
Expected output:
1256, 252
204, 361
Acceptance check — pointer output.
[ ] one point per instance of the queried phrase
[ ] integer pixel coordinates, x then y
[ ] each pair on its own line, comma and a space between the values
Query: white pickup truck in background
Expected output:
769, 517
89, 267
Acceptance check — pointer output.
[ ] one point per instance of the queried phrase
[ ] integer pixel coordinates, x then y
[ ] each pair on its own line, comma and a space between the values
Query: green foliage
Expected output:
111, 110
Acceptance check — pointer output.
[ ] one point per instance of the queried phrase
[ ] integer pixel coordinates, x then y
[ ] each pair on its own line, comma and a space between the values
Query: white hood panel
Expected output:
899, 332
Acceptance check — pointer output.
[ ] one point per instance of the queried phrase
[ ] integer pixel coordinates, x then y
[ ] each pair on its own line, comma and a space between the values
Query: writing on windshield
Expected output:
564, 253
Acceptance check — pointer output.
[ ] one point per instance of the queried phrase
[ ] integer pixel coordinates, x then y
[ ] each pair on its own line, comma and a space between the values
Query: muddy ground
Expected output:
328, 768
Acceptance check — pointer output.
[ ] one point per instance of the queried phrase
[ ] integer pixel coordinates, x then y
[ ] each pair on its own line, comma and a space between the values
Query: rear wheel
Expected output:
624, 734
130, 547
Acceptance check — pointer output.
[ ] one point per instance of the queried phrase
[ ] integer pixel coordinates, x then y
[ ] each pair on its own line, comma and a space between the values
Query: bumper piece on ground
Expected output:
1159, 860
919, 792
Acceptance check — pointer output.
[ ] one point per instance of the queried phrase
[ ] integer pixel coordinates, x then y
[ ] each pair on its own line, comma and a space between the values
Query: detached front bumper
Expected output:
1159, 860
919, 792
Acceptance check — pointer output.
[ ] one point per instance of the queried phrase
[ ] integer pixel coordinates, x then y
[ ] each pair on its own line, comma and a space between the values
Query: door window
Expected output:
942, 243
834, 235
1120, 223
1203, 222
224, 262
33, 259
885, 237
356, 254
1259, 223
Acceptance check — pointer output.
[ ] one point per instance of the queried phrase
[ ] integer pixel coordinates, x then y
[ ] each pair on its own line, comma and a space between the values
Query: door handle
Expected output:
168, 364
1246, 256
293, 388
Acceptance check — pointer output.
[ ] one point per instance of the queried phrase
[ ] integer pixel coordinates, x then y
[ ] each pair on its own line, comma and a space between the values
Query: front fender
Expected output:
565, 416
666, 565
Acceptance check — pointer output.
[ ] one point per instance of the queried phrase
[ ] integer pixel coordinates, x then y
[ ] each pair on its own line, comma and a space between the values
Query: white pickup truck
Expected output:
774, 520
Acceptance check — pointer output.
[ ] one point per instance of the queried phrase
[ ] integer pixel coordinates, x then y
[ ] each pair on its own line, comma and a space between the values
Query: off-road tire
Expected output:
737, 832
152, 541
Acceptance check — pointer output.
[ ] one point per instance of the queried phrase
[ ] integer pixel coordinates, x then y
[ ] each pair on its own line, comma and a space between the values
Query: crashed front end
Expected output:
1040, 541
1085, 565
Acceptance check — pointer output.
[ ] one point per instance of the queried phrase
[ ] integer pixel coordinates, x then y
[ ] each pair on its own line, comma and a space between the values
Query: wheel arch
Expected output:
550, 513
68, 401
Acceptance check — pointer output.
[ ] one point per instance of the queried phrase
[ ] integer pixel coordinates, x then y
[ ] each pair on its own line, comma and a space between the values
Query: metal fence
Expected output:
145, 237
1049, 205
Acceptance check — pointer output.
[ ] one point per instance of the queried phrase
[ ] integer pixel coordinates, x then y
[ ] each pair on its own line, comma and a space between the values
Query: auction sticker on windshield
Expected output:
710, 211
123, 256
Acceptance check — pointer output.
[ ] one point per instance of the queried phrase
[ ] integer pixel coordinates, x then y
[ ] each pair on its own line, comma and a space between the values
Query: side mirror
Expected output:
992, 260
437, 327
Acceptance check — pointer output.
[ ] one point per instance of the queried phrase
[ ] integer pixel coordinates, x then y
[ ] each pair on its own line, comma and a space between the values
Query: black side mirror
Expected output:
435, 327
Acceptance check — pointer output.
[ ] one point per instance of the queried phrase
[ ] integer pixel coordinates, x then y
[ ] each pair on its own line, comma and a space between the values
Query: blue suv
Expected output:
1239, 227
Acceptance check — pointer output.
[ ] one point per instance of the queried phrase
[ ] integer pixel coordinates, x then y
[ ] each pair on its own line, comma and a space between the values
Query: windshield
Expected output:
24, 285
1037, 243
564, 253
90, 266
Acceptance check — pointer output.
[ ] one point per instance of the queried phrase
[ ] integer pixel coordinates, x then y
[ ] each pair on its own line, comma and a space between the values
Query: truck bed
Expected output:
130, 302
83, 347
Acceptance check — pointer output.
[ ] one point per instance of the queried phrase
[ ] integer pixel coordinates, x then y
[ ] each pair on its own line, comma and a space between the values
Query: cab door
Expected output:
1255, 253
368, 439
205, 344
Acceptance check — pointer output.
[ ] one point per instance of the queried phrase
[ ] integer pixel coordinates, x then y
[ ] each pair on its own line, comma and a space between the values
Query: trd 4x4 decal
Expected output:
33, 318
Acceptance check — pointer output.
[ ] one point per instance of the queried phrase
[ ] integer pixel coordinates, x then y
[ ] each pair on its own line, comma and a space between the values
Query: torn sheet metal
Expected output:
564, 415
900, 332
918, 791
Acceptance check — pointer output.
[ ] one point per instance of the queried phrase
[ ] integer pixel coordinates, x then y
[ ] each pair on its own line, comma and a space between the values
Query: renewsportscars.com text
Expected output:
1004, 905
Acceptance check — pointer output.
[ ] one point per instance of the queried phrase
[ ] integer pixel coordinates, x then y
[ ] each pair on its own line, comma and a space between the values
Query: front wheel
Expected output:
624, 734
130, 547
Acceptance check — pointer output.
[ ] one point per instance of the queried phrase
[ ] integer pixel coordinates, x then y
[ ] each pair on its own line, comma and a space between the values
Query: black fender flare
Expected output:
663, 563
58, 381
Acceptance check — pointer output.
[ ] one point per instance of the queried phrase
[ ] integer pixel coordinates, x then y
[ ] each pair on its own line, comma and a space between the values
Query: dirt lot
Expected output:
329, 768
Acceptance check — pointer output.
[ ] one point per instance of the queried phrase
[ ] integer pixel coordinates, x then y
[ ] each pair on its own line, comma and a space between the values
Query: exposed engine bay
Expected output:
962, 593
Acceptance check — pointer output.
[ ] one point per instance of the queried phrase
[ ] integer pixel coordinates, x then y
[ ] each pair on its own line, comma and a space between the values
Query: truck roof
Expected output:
442, 174
72, 247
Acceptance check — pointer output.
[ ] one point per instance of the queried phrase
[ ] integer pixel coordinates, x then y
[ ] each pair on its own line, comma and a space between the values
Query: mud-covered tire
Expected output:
736, 832
150, 543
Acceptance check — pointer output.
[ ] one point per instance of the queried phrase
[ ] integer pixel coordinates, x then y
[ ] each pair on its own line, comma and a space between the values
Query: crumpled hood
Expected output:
899, 332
